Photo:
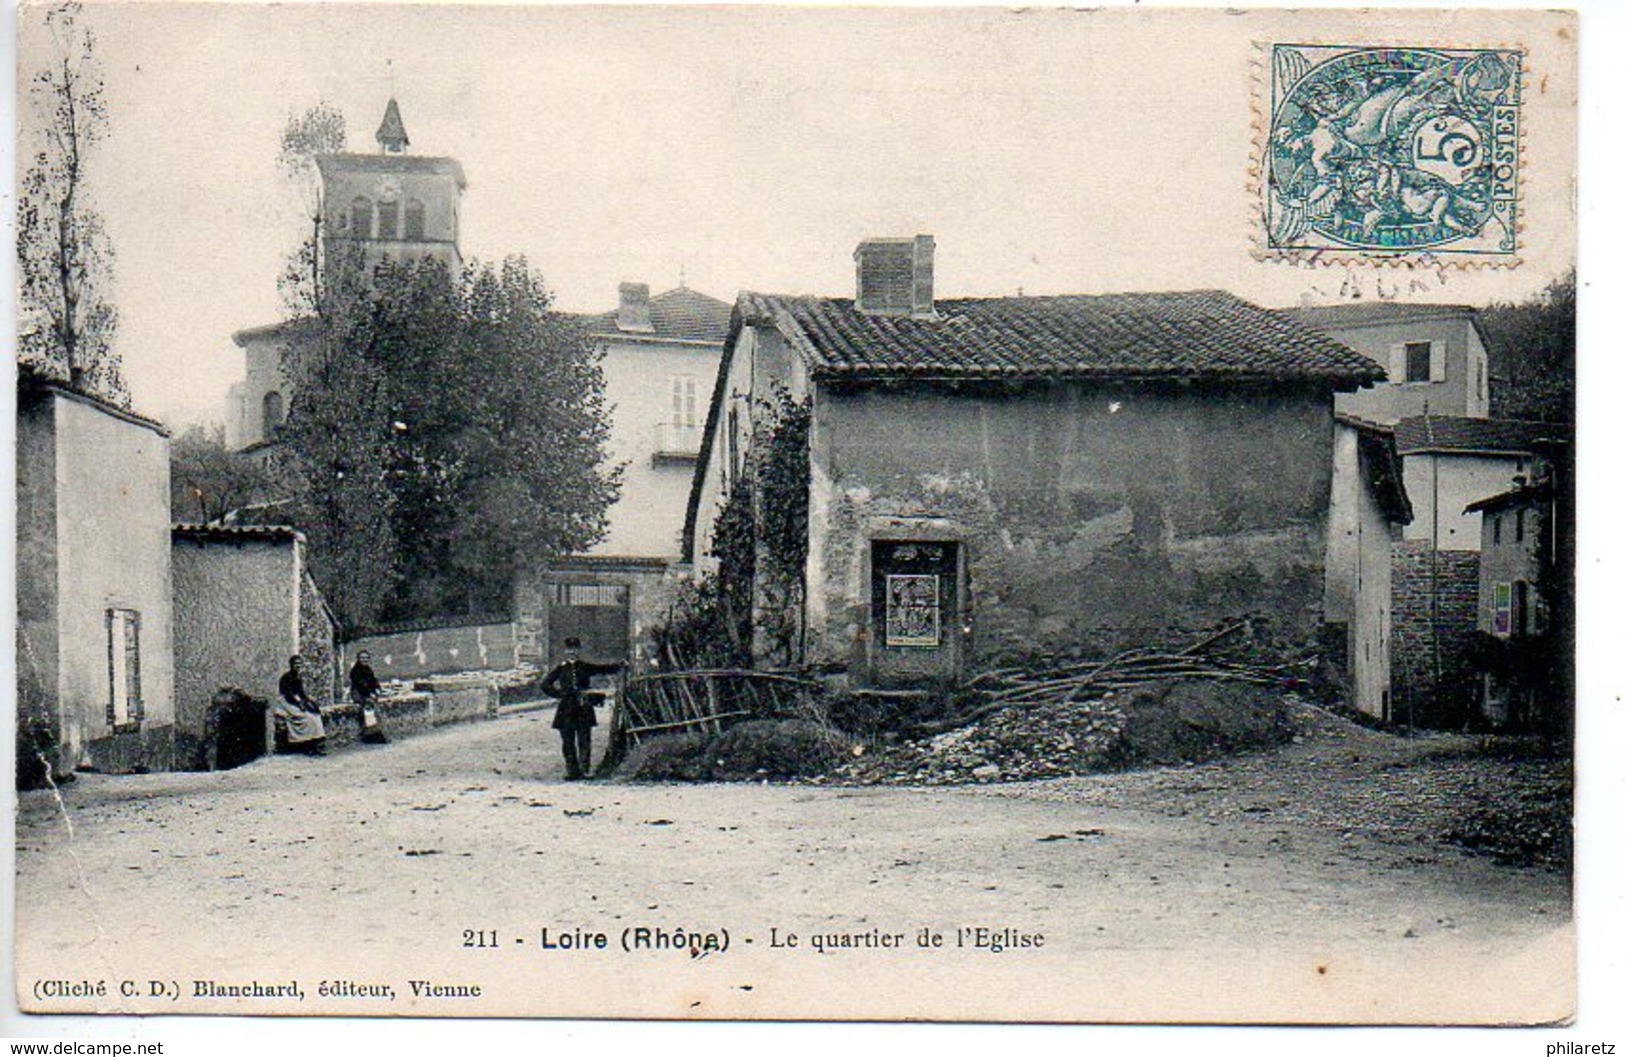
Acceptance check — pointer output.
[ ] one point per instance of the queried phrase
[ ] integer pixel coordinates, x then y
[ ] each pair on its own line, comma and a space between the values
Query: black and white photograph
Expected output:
755, 513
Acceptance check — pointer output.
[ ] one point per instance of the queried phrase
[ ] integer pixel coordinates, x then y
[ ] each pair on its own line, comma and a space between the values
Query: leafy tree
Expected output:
64, 258
1532, 355
499, 431
335, 448
208, 480
445, 430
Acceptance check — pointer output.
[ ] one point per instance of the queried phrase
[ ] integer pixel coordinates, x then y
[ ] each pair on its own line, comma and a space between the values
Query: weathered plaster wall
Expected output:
37, 646
113, 552
1369, 649
1434, 610
1343, 525
317, 640
1441, 486
263, 373
1091, 516
1463, 391
233, 625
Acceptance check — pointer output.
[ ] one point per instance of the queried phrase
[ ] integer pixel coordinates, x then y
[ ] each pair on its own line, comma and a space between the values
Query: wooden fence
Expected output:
705, 701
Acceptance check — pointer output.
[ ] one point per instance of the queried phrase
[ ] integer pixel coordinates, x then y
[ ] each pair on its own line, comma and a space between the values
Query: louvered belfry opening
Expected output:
895, 276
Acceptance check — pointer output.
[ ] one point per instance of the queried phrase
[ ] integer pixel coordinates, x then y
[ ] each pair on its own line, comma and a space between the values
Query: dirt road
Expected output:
460, 861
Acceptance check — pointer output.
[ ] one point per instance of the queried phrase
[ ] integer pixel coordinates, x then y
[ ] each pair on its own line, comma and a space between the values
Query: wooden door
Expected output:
594, 613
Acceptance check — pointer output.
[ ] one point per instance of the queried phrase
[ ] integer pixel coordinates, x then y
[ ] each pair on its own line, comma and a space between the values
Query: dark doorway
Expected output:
915, 622
595, 613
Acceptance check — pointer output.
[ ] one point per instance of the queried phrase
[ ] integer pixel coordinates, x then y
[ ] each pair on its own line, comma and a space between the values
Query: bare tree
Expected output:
64, 258
317, 131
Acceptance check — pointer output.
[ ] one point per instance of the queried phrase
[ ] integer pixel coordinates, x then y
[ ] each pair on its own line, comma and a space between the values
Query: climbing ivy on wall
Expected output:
749, 610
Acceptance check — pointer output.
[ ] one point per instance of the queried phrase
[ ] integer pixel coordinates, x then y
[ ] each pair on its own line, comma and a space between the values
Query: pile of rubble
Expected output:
1167, 721
1141, 707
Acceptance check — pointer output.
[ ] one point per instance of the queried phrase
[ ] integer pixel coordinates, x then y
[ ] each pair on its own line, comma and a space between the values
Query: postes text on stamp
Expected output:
1391, 152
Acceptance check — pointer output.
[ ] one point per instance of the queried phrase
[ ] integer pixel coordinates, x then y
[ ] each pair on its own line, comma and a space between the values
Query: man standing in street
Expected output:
574, 717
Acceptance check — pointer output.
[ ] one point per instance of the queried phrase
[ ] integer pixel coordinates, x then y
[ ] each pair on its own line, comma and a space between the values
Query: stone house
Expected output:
1450, 462
660, 357
991, 477
1436, 357
244, 603
1369, 510
95, 667
1526, 596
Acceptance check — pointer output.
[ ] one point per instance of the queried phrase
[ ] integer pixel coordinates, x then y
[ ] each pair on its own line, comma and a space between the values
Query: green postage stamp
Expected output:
1392, 152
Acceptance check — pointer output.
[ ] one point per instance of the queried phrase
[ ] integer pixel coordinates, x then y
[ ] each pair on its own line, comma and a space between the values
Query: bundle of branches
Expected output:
1091, 680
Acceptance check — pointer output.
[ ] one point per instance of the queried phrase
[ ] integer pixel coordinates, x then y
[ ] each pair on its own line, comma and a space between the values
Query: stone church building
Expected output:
392, 205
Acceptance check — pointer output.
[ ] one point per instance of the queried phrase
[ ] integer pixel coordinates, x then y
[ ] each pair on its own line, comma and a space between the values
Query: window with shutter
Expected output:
1436, 352
1419, 361
1396, 363
683, 405
123, 667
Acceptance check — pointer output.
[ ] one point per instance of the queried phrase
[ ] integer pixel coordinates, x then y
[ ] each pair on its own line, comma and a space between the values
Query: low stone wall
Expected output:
406, 715
415, 652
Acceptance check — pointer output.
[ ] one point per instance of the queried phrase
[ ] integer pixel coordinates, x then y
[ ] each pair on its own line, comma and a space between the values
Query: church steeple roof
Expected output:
392, 133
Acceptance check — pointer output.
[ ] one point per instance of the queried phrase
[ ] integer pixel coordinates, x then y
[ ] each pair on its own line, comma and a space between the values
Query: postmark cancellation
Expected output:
1391, 154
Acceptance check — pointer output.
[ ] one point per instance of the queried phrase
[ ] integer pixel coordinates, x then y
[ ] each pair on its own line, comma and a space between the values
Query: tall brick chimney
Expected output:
896, 276
633, 315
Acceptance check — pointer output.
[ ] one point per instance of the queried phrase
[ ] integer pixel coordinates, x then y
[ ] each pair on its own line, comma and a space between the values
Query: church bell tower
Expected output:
392, 205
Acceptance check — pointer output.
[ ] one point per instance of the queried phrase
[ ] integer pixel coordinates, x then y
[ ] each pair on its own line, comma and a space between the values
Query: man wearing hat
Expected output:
574, 718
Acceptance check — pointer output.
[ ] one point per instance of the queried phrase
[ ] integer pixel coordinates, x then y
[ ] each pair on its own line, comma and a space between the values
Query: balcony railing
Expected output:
676, 443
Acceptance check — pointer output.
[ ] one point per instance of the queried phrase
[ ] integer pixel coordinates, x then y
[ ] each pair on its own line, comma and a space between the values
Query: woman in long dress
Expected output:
301, 716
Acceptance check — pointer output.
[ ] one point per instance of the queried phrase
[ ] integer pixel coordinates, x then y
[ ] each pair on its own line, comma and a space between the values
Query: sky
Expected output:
1047, 151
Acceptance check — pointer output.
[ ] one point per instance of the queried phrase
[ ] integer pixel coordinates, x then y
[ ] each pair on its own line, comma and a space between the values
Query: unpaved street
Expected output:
1156, 895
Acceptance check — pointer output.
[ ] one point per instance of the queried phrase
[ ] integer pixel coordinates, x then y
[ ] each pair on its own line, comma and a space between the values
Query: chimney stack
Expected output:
633, 315
896, 276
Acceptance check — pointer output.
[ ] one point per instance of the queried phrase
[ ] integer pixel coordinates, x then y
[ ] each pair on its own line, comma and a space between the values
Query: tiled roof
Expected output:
681, 314
1382, 466
217, 533
1198, 334
392, 130
1369, 313
1523, 495
1424, 433
35, 378
292, 329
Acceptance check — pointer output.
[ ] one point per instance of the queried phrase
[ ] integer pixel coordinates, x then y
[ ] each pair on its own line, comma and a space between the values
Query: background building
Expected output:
1435, 357
660, 357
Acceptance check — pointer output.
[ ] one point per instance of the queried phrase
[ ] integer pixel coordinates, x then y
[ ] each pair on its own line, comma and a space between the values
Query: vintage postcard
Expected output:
791, 513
